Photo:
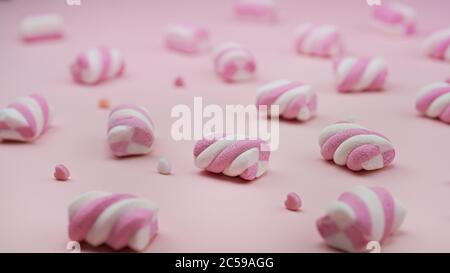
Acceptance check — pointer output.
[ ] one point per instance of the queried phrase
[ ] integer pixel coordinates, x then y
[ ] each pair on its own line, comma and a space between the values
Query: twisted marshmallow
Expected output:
295, 100
395, 18
359, 216
257, 9
187, 39
130, 131
118, 220
437, 45
434, 101
234, 63
360, 74
25, 119
231, 156
356, 147
97, 65
318, 40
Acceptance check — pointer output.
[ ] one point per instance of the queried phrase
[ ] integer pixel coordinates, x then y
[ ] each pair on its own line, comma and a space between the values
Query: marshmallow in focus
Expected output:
130, 131
24, 119
360, 216
433, 101
437, 45
318, 40
187, 39
41, 27
246, 158
360, 74
393, 17
256, 9
233, 63
295, 100
349, 144
97, 65
118, 220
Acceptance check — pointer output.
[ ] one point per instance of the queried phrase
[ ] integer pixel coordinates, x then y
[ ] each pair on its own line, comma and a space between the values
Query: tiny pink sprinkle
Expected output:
61, 173
179, 82
293, 201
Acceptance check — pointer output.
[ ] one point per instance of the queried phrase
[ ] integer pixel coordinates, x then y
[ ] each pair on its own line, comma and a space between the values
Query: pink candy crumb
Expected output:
61, 173
179, 82
293, 202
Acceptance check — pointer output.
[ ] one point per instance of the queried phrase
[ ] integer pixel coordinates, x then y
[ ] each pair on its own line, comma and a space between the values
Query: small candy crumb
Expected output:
103, 103
164, 166
293, 202
179, 82
61, 173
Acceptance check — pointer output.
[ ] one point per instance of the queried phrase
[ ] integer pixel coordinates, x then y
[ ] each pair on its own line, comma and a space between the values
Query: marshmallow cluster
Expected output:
393, 17
434, 101
97, 65
118, 220
187, 39
360, 216
437, 45
24, 119
318, 40
130, 131
234, 63
360, 74
351, 145
294, 99
232, 156
41, 27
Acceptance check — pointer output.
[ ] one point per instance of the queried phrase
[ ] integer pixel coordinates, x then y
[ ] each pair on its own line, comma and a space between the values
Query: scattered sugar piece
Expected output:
164, 166
61, 173
293, 202
103, 103
179, 82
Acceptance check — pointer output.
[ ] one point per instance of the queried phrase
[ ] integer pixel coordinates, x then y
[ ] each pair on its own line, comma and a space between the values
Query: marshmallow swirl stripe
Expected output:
97, 65
351, 145
318, 40
130, 131
186, 39
359, 216
434, 101
234, 63
118, 220
295, 100
360, 74
24, 119
245, 158
395, 18
437, 45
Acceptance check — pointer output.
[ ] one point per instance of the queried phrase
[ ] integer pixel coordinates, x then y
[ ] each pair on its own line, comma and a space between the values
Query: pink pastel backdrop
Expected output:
200, 212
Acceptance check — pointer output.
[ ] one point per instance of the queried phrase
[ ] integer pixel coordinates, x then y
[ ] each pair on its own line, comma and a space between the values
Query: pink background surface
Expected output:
200, 212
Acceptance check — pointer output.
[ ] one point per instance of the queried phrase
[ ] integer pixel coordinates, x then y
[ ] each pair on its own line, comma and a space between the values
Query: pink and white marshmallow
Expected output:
433, 101
233, 63
130, 131
232, 156
349, 144
437, 45
295, 100
41, 27
360, 74
97, 65
256, 9
318, 40
118, 220
360, 216
396, 18
187, 39
24, 119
